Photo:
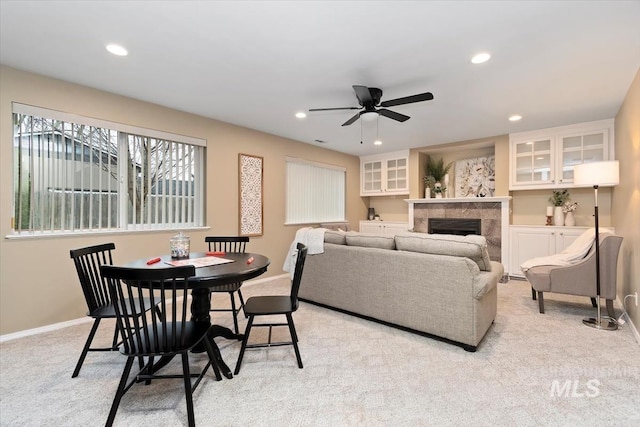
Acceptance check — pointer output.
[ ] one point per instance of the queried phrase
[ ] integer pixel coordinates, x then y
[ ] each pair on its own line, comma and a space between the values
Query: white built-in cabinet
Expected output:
545, 158
385, 174
527, 242
383, 228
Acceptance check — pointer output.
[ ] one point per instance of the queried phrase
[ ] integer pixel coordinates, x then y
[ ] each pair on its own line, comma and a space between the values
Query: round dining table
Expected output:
243, 267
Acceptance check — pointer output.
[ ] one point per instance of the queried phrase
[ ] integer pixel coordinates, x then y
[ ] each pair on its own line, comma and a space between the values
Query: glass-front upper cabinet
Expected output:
385, 174
372, 176
533, 160
578, 149
546, 158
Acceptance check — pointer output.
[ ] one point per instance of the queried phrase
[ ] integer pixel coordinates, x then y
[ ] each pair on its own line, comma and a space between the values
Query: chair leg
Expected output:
541, 302
612, 314
245, 339
242, 303
533, 294
212, 358
294, 339
120, 392
116, 332
87, 345
234, 312
594, 304
187, 389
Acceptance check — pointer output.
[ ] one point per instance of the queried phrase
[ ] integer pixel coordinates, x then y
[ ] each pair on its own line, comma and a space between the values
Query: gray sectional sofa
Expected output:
442, 286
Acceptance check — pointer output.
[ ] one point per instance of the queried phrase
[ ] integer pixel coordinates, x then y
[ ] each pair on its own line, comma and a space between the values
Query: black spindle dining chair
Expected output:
165, 336
100, 306
229, 244
274, 305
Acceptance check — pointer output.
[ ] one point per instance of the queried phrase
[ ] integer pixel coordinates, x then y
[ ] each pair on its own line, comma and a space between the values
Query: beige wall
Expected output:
38, 284
626, 198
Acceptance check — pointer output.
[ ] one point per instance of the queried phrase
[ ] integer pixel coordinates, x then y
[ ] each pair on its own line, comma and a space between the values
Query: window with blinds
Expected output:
76, 174
315, 192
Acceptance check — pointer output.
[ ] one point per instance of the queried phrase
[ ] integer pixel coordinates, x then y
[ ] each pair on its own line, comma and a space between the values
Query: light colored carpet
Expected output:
356, 373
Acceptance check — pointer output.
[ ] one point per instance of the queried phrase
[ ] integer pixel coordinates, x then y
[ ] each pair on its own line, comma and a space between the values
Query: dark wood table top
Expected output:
216, 275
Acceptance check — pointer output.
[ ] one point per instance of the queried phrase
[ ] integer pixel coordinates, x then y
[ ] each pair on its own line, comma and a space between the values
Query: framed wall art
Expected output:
476, 177
250, 198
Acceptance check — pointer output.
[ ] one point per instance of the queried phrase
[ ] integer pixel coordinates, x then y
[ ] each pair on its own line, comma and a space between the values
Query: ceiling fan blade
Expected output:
331, 109
427, 96
351, 120
363, 95
393, 115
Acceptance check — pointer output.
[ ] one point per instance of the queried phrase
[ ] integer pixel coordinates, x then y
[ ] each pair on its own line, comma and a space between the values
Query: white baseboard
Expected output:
634, 329
56, 326
43, 329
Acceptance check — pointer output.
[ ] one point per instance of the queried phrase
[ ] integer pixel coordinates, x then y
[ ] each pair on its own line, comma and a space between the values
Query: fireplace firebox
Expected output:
457, 226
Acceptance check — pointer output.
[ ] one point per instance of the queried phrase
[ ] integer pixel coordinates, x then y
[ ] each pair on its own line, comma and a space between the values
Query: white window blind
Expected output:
77, 174
315, 192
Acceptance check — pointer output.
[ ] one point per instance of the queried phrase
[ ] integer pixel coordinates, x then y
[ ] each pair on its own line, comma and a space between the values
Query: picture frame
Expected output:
250, 197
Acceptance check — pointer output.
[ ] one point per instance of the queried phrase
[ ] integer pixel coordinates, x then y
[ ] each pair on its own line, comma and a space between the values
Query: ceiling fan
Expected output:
369, 100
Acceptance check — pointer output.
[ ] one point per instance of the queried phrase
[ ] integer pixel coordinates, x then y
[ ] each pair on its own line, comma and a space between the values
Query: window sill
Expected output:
66, 234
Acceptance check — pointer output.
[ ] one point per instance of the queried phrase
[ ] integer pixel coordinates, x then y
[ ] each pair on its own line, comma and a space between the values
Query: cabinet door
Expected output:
370, 227
397, 179
566, 237
372, 177
528, 243
393, 229
581, 148
533, 162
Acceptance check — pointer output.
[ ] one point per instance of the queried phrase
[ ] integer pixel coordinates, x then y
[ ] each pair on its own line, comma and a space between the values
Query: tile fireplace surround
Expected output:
493, 213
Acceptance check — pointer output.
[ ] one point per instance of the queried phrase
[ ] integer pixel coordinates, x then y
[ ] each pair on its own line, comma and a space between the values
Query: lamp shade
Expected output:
604, 174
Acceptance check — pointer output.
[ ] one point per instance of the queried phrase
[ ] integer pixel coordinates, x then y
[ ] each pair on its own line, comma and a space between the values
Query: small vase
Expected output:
558, 216
569, 220
427, 193
438, 195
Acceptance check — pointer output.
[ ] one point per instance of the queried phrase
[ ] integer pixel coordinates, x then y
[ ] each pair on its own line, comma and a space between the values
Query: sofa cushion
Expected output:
370, 241
472, 246
335, 237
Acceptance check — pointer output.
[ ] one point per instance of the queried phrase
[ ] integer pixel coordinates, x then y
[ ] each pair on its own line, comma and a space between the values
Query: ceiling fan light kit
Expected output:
369, 99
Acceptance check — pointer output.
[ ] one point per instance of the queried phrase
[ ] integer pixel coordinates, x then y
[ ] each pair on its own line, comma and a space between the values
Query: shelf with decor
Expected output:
545, 158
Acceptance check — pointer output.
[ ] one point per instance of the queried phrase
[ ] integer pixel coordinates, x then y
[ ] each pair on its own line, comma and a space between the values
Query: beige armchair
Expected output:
580, 278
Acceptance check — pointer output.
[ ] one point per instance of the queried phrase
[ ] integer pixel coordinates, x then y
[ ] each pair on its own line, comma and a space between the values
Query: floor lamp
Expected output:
605, 174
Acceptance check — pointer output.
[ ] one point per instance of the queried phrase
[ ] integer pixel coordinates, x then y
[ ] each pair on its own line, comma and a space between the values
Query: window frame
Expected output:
123, 132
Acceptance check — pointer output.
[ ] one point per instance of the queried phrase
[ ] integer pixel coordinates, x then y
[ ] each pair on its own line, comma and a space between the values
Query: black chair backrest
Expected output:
227, 243
88, 262
297, 275
168, 289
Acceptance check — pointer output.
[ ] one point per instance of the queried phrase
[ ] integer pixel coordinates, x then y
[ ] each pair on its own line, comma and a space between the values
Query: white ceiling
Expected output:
255, 64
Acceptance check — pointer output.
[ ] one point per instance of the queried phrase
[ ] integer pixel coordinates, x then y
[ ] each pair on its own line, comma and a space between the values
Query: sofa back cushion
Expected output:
370, 241
335, 237
472, 247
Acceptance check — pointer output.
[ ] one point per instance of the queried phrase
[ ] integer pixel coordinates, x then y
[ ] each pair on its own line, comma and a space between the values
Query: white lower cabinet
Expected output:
384, 228
527, 242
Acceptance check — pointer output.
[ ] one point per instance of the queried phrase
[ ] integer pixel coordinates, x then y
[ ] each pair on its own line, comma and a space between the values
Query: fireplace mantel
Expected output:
461, 200
493, 211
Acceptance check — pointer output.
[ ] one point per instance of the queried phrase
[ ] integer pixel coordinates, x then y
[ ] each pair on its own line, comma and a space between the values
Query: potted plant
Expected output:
558, 199
434, 173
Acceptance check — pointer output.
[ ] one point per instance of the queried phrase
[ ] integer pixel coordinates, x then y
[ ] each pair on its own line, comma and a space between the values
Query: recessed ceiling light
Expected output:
377, 142
480, 58
301, 115
515, 118
117, 50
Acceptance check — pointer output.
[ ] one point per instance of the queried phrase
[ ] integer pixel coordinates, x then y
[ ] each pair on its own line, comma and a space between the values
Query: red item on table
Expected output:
215, 253
250, 260
153, 261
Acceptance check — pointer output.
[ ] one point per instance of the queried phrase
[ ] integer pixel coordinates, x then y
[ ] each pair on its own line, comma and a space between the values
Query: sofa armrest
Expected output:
487, 280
